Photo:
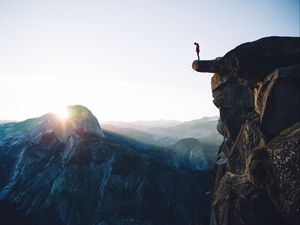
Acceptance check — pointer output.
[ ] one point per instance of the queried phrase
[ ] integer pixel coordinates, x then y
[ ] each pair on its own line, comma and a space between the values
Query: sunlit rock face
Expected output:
257, 176
65, 172
81, 119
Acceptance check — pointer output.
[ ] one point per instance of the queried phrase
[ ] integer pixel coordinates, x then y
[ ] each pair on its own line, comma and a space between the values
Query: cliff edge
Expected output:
256, 87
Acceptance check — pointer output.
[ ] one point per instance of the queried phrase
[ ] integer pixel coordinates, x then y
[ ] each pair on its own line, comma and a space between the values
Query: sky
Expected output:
125, 60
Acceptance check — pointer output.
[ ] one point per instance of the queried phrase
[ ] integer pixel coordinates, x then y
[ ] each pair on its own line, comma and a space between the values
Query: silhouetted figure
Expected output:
197, 49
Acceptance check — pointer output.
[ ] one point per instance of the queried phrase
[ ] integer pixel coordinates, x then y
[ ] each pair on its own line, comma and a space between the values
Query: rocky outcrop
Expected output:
81, 119
188, 155
277, 100
266, 54
256, 87
207, 66
55, 172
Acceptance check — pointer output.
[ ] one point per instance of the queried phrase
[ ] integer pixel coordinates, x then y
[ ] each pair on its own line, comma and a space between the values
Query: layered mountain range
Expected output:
200, 134
256, 87
70, 172
166, 133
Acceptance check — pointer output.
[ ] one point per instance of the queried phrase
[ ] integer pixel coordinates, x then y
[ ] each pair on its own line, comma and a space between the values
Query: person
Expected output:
197, 49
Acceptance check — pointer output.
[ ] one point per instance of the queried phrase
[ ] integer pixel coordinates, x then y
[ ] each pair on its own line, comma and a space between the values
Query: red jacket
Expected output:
197, 47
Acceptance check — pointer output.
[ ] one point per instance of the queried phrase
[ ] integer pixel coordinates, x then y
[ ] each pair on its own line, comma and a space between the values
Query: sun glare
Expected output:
62, 113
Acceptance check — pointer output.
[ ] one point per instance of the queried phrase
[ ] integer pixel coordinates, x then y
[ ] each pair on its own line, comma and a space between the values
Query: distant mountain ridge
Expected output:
6, 121
204, 130
198, 129
142, 124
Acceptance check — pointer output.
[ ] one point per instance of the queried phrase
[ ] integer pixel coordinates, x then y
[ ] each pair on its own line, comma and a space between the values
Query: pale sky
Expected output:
124, 60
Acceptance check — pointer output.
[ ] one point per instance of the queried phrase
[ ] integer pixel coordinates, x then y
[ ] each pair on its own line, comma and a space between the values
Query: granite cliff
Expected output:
69, 172
256, 87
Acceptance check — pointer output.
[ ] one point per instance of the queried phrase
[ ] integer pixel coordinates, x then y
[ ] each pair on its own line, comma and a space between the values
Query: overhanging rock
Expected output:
207, 66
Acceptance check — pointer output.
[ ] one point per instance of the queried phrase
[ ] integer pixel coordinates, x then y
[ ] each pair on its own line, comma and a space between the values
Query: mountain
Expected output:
186, 155
6, 121
256, 87
144, 124
191, 153
204, 130
71, 172
165, 135
138, 135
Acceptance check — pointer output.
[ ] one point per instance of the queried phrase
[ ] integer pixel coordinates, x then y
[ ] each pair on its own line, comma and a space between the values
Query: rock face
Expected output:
82, 120
188, 154
55, 172
256, 87
79, 121
266, 54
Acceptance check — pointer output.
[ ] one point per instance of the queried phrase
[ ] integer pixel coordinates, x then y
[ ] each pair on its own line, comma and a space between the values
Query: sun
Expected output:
62, 112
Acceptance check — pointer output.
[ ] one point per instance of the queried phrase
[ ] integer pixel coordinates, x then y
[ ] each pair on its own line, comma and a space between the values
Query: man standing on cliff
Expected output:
197, 49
